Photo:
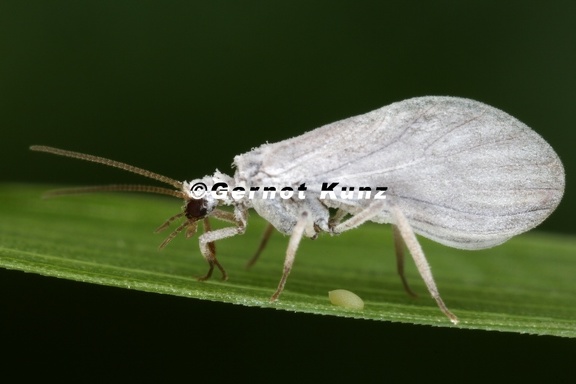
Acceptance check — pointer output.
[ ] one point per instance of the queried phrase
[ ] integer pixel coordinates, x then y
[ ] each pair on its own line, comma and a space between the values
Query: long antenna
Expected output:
114, 188
108, 162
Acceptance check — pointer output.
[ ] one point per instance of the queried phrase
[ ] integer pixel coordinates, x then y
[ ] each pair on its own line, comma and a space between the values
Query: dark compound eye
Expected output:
196, 209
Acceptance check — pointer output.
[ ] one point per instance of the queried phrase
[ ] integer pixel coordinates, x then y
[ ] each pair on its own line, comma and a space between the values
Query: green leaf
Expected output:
526, 285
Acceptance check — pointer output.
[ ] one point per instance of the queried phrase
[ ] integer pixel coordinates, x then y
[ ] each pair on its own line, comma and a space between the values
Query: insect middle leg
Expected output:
263, 242
297, 233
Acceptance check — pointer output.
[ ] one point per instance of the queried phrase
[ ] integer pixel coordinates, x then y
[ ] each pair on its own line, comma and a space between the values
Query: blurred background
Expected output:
181, 87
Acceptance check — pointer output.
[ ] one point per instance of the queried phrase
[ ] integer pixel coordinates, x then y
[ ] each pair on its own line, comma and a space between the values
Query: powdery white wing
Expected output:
465, 174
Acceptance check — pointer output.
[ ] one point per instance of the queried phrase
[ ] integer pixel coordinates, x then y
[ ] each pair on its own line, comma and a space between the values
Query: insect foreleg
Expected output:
238, 218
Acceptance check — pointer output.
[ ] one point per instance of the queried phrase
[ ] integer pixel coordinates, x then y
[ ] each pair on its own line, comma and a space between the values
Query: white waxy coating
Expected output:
457, 171
465, 174
345, 299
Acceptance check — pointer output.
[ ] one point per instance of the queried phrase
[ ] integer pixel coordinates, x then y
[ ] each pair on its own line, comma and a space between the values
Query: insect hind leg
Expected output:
374, 209
405, 230
405, 233
399, 248
263, 242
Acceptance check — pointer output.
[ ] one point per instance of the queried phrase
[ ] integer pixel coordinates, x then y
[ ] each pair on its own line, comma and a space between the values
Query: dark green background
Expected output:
180, 87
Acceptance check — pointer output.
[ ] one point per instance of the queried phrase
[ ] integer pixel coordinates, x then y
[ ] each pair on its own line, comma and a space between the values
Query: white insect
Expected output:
457, 171
346, 299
